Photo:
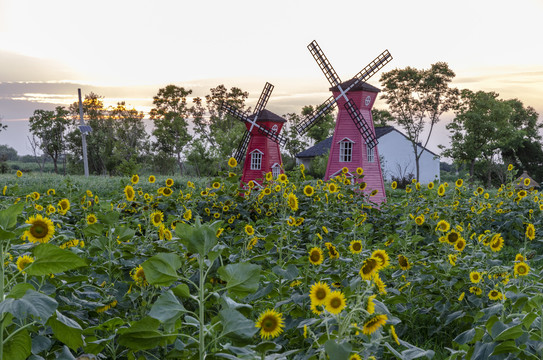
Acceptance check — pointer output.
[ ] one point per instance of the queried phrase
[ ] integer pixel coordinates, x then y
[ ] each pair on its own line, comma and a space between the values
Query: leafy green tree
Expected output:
169, 115
323, 128
419, 97
479, 129
199, 159
381, 117
49, 128
8, 153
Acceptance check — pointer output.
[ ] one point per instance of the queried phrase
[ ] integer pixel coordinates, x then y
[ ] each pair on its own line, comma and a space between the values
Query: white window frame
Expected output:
370, 153
276, 170
256, 159
346, 150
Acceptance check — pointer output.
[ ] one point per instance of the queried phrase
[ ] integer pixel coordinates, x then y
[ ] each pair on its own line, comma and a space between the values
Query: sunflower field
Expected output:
164, 268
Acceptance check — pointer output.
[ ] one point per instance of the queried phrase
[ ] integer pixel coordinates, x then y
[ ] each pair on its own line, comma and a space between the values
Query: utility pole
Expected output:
84, 129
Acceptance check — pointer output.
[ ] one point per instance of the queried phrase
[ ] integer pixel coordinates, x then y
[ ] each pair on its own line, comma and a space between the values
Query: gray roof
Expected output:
324, 146
358, 87
266, 115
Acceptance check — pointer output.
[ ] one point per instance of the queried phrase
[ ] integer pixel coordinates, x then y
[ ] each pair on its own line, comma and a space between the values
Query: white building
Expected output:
396, 153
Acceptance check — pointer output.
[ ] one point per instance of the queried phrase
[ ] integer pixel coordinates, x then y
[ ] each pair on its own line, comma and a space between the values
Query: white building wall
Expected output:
398, 159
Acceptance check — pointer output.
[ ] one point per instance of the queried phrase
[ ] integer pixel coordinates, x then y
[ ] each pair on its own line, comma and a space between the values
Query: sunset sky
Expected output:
127, 50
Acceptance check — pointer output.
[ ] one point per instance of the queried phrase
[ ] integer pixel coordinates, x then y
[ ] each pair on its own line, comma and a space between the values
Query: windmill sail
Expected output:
361, 124
242, 147
316, 115
263, 100
323, 63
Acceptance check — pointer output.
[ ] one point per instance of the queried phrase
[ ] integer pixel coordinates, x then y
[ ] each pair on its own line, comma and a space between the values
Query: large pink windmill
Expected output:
354, 143
260, 143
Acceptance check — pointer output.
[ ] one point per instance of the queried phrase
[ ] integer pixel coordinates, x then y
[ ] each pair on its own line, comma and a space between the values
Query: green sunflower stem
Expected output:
201, 305
2, 299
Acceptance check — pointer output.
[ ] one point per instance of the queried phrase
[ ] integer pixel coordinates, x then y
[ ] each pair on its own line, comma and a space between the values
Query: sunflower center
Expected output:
39, 230
403, 261
335, 303
269, 323
521, 270
315, 256
320, 294
453, 237
357, 246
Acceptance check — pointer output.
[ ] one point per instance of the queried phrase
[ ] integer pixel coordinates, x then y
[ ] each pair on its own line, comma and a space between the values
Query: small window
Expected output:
275, 128
371, 153
256, 160
345, 151
276, 170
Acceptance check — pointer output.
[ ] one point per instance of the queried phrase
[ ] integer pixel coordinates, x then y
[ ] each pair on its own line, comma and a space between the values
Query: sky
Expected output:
127, 50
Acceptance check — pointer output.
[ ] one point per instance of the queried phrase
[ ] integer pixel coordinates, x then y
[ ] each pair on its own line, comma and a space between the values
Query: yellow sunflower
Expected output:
441, 190
135, 179
394, 185
308, 190
270, 323
318, 293
510, 167
292, 202
475, 277
475, 290
232, 162
371, 305
269, 176
430, 185
169, 182
41, 229
495, 295
249, 230
187, 215
91, 219
382, 257
333, 188
373, 324
355, 356
152, 179
167, 191
443, 226
19, 173
459, 183
24, 261
452, 259
496, 244
63, 206
530, 231
521, 269
335, 302
460, 244
129, 193
315, 256
527, 182
138, 275
419, 220
282, 178
369, 267
519, 257
359, 171
156, 218
394, 335
404, 262
355, 246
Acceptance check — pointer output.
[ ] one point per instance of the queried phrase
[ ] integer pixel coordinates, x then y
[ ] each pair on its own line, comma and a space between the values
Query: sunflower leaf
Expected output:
161, 269
8, 217
338, 351
242, 279
50, 259
236, 326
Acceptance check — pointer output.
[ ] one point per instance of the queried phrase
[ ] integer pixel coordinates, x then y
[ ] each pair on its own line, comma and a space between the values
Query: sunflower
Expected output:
129, 193
519, 257
355, 246
510, 167
315, 256
403, 262
527, 182
269, 176
441, 190
91, 219
475, 277
169, 182
249, 230
475, 290
36, 195
152, 179
156, 218
369, 267
394, 185
282, 178
335, 302
419, 220
521, 269
496, 244
355, 356
270, 323
50, 209
460, 244
371, 305
187, 215
138, 275
332, 252
135, 179
308, 190
373, 324
452, 259
63, 206
232, 162
495, 295
530, 231
459, 183
382, 257
333, 188
431, 185
41, 229
381, 286
443, 226
359, 171
292, 202
392, 331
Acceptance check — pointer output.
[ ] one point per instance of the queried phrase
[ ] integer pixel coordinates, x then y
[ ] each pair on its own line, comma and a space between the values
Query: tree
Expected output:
2, 126
8, 153
416, 97
49, 128
169, 115
479, 129
381, 117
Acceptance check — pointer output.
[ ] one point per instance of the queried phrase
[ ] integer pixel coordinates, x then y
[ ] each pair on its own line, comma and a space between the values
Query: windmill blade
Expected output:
242, 147
264, 96
360, 123
324, 64
270, 134
316, 115
374, 66
232, 111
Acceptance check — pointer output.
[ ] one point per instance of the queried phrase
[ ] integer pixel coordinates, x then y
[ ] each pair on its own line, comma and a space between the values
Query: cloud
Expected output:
16, 67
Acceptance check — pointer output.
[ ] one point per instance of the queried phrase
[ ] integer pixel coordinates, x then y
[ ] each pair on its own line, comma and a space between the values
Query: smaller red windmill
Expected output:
260, 143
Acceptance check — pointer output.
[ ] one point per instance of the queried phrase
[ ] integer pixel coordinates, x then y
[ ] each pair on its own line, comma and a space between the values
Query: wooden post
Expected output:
83, 135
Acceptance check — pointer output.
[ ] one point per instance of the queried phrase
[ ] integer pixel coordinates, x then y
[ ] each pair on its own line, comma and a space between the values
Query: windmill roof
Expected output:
520, 181
266, 115
358, 87
322, 147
